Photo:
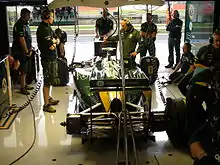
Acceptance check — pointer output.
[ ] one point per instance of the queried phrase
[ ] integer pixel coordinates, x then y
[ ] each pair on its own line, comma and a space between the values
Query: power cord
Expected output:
155, 157
116, 28
31, 98
35, 133
12, 111
34, 124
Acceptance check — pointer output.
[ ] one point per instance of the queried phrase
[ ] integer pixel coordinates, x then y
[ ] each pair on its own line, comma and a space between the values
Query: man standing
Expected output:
47, 45
148, 34
174, 28
104, 25
21, 48
130, 39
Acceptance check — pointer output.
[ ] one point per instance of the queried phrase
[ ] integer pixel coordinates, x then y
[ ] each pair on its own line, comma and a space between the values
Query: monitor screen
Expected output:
100, 45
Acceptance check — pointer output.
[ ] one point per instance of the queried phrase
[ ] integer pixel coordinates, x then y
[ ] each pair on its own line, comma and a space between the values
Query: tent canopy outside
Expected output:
102, 3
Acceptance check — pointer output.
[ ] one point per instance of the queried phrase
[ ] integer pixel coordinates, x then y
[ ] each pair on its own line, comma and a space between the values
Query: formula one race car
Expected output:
98, 96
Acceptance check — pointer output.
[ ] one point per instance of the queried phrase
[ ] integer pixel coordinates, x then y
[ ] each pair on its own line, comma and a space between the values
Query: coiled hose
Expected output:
31, 98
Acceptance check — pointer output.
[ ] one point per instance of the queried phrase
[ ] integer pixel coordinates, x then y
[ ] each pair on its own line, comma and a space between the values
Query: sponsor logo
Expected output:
4, 85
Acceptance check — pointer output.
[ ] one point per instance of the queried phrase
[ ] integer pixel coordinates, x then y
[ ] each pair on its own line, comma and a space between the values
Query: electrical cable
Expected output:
31, 98
115, 22
35, 133
155, 157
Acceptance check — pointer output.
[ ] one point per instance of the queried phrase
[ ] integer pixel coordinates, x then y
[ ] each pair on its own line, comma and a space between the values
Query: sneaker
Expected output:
29, 87
24, 91
49, 108
53, 102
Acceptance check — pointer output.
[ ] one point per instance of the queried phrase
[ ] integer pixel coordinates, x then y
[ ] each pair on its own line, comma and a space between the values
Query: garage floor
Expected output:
54, 147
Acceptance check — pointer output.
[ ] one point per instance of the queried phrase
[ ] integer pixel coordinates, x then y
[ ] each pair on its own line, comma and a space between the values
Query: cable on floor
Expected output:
35, 133
155, 157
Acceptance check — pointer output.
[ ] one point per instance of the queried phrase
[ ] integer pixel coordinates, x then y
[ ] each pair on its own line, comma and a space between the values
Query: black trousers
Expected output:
176, 77
148, 45
196, 115
173, 43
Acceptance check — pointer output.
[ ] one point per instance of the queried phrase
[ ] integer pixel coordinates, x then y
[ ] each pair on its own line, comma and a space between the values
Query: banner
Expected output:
62, 16
198, 23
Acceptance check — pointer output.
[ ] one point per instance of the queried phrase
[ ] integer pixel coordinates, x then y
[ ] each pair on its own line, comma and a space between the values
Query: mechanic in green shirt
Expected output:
47, 44
130, 39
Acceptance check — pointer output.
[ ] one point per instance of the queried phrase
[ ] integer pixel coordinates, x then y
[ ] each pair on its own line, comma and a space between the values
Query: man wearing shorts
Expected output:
21, 48
47, 45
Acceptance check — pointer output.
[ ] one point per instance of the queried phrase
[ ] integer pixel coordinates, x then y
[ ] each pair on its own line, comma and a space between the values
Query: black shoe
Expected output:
29, 87
24, 91
169, 66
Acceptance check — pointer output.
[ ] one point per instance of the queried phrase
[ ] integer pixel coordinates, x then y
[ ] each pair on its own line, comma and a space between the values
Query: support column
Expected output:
216, 16
4, 40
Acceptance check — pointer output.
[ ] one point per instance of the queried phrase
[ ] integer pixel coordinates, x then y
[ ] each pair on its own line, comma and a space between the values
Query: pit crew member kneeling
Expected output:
186, 63
200, 128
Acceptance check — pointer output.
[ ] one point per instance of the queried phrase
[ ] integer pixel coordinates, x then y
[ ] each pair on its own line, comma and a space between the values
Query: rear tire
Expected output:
175, 113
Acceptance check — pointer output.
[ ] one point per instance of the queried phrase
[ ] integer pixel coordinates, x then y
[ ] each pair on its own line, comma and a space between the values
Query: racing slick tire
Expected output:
175, 114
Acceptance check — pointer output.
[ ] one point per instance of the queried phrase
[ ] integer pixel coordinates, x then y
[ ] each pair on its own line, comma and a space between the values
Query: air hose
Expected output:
31, 98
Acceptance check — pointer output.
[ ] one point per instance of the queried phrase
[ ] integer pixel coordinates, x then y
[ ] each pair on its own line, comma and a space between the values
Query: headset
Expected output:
178, 14
46, 14
128, 23
106, 10
24, 11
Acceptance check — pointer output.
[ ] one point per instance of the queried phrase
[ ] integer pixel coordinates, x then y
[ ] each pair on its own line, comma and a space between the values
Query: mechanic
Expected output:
148, 34
186, 61
207, 62
130, 38
47, 45
22, 49
174, 28
104, 25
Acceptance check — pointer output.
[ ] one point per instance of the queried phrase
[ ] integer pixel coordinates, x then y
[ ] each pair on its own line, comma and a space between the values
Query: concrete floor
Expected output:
54, 146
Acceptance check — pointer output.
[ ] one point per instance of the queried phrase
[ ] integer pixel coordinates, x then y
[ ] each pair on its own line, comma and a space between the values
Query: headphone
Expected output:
107, 13
106, 10
177, 12
45, 15
24, 11
188, 45
127, 21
